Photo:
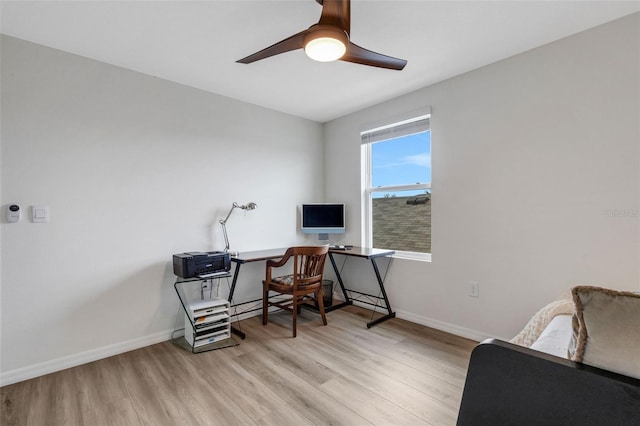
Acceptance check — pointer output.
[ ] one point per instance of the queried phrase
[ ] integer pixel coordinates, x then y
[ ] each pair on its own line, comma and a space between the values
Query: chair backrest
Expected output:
308, 262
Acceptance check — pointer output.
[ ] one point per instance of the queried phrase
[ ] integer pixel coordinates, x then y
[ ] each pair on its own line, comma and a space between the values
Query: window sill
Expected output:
410, 255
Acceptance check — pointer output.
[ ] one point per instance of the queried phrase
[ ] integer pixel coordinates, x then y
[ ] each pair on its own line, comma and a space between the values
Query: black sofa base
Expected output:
511, 385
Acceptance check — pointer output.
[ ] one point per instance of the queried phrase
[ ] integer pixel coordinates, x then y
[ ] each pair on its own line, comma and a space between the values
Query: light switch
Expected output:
40, 214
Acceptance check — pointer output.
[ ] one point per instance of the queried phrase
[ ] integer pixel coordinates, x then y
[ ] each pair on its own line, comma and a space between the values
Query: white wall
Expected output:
536, 182
133, 169
529, 156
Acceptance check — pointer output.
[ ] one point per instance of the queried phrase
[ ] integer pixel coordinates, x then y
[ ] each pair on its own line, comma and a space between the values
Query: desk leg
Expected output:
384, 295
347, 300
230, 299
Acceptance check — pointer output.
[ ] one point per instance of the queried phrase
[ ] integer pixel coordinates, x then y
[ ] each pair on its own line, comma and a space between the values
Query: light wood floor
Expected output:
342, 374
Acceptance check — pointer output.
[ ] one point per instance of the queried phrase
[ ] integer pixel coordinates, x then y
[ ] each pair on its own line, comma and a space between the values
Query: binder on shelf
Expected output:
201, 334
210, 335
209, 340
208, 307
206, 320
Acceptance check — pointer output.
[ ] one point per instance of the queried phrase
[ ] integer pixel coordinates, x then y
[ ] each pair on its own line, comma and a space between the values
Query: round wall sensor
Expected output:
13, 213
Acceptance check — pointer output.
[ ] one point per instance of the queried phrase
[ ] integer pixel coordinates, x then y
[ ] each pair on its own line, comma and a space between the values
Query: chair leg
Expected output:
265, 303
320, 299
295, 313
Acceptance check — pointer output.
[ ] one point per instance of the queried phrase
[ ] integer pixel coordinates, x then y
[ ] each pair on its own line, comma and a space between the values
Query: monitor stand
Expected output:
323, 237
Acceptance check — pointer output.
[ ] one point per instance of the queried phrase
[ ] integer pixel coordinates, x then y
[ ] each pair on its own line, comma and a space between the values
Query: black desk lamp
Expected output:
248, 206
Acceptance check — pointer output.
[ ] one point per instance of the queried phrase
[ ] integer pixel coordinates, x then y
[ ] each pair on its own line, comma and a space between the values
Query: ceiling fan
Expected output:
328, 40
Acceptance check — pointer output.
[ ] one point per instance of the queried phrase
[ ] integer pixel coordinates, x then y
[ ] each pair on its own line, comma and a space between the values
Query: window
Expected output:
397, 187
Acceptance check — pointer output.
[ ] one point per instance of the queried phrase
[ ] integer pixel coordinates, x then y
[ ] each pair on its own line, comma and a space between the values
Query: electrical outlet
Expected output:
474, 289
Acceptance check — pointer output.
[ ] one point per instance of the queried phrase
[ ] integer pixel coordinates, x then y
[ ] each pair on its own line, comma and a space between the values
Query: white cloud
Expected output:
422, 159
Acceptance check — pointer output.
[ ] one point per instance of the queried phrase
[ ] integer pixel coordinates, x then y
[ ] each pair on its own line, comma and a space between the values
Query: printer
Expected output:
198, 263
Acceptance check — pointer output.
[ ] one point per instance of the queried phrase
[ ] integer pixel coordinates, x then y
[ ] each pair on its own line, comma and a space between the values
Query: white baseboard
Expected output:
36, 370
433, 323
443, 326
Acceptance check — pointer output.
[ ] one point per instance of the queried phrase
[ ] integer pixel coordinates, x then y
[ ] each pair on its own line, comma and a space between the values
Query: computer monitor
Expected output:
323, 219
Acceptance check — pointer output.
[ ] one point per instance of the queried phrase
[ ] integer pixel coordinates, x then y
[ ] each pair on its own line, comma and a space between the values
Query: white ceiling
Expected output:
196, 43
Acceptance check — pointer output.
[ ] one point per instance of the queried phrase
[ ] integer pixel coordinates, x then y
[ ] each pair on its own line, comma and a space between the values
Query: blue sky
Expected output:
402, 161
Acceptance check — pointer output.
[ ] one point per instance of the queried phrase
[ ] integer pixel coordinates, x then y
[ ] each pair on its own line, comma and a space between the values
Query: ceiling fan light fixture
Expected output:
325, 44
325, 49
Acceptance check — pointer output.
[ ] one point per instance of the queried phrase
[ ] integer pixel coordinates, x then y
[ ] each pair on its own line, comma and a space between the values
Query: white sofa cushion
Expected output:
555, 338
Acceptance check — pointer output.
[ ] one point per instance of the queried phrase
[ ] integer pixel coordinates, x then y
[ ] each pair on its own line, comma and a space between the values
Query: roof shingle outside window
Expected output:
402, 223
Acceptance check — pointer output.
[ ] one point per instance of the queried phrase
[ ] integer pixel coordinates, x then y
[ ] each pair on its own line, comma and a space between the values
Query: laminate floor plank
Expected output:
368, 404
254, 397
437, 350
285, 416
427, 383
190, 403
114, 405
341, 374
306, 398
422, 401
443, 370
157, 400
368, 347
15, 410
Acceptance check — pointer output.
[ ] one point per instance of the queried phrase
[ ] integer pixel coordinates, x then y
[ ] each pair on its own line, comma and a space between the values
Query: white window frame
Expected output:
369, 190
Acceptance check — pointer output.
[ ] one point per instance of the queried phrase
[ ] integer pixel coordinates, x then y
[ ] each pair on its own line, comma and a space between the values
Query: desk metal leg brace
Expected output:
234, 330
390, 313
348, 301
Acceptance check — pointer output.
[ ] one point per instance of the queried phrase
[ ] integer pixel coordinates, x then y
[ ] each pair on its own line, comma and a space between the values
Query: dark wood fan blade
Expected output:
360, 55
292, 43
336, 13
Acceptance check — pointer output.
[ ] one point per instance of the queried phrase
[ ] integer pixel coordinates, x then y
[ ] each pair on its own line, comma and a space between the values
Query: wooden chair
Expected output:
306, 279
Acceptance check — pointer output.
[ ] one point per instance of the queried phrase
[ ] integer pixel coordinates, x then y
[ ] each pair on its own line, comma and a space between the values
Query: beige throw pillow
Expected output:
607, 329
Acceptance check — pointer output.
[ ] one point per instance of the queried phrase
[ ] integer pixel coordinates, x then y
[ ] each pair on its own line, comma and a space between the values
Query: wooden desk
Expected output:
361, 252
